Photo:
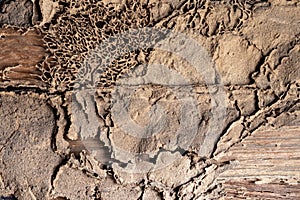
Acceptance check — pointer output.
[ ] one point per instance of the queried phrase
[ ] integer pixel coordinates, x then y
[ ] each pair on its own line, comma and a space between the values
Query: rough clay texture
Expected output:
27, 159
85, 116
18, 12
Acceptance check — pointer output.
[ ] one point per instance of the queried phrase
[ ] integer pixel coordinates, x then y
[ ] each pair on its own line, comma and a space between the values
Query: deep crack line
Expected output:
56, 170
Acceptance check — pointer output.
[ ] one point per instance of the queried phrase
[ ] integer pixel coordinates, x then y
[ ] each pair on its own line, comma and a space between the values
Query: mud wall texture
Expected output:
119, 99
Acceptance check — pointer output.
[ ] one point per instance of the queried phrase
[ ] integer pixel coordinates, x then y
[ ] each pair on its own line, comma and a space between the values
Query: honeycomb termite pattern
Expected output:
80, 26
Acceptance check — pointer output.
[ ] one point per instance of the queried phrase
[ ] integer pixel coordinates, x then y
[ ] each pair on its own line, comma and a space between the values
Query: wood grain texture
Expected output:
251, 190
267, 166
20, 52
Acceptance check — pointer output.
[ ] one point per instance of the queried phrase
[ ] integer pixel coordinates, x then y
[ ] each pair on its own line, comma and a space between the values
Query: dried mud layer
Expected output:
146, 100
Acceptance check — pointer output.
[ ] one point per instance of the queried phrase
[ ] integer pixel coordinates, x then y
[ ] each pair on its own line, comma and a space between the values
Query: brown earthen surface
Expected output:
166, 100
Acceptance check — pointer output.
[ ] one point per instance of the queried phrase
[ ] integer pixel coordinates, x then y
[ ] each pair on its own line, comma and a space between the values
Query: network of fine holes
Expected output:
80, 26
77, 31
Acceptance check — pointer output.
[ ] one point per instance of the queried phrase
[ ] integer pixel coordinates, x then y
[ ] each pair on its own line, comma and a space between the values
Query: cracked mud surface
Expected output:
149, 100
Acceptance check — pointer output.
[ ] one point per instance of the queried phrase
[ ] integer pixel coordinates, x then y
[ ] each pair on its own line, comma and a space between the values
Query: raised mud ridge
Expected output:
113, 99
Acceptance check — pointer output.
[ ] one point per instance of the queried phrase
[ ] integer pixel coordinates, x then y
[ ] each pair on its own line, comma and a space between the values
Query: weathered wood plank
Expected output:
267, 166
20, 52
